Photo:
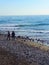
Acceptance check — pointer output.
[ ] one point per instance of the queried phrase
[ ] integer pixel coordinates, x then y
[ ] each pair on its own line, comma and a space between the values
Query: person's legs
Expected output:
9, 38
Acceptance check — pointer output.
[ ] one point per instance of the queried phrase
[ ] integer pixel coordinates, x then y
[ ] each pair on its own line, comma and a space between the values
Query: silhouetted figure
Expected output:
13, 35
8, 35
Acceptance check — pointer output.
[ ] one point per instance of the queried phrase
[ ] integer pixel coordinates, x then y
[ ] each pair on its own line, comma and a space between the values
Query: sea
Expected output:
33, 26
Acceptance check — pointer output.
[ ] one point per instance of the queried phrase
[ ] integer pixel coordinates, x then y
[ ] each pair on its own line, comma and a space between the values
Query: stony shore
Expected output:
23, 52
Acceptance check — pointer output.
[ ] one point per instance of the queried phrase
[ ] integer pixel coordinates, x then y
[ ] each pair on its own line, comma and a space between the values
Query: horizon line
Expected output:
28, 15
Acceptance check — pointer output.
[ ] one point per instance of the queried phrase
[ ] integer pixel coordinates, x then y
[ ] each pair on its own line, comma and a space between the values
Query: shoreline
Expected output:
42, 40
37, 42
29, 41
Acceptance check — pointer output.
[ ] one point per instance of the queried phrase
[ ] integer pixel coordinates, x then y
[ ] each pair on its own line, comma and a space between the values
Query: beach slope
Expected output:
22, 52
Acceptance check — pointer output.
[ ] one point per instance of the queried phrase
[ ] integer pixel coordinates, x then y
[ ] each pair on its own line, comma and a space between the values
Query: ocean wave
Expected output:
7, 25
21, 25
18, 26
20, 30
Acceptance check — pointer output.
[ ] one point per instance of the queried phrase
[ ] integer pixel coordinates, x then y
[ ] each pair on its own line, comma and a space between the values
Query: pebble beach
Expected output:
22, 52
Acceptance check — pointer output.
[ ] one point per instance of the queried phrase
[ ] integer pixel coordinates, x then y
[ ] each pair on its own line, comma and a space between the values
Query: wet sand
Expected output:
22, 51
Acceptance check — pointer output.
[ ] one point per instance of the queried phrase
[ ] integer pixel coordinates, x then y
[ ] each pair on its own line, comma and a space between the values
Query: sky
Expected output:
24, 7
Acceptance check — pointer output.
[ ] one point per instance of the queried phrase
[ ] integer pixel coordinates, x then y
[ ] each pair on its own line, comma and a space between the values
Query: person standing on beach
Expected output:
8, 36
13, 35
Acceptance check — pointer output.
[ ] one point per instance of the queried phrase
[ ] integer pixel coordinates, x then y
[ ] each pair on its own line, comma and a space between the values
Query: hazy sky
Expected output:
24, 7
